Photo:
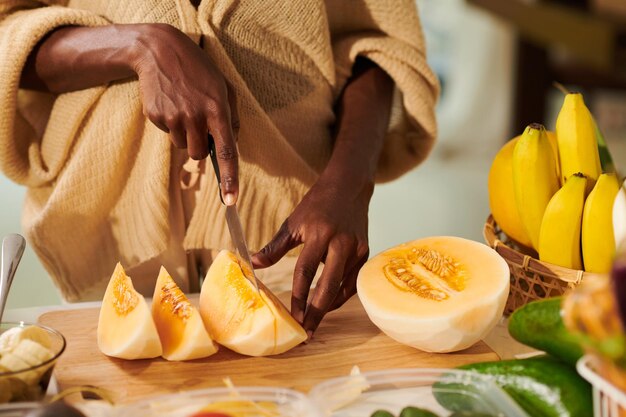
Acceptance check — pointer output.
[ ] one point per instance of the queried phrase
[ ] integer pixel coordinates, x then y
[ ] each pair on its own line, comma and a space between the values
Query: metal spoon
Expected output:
13, 246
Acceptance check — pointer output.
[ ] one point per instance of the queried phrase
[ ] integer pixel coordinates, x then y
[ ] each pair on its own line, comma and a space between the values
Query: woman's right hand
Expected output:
183, 92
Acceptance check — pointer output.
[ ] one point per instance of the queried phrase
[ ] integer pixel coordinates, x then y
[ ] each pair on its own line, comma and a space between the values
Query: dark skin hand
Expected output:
192, 100
331, 220
183, 92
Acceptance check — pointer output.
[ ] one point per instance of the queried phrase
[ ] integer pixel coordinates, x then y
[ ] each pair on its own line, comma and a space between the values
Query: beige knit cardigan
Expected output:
97, 171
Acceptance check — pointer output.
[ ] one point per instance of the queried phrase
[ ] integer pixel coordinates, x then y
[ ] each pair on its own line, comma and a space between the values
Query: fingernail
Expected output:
229, 199
309, 335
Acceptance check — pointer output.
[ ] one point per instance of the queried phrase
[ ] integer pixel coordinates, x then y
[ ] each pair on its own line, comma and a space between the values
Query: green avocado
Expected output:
539, 325
542, 386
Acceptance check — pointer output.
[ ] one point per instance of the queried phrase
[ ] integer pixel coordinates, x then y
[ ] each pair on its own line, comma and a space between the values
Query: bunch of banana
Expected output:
548, 191
22, 348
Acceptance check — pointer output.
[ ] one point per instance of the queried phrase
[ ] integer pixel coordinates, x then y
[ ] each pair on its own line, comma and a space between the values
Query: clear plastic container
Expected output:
248, 401
392, 390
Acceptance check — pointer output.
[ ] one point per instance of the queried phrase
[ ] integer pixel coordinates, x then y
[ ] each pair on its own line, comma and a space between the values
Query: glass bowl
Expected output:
26, 366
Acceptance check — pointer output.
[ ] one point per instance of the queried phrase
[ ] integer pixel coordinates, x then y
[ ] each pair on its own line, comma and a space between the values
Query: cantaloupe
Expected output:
178, 323
242, 319
438, 294
125, 326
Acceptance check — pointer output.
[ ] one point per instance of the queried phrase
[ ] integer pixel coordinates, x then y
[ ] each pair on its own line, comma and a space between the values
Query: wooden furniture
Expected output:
346, 338
564, 41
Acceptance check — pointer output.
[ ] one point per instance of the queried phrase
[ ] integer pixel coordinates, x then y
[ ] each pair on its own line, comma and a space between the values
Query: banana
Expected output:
555, 151
619, 217
534, 178
576, 137
598, 242
502, 196
559, 240
32, 352
13, 336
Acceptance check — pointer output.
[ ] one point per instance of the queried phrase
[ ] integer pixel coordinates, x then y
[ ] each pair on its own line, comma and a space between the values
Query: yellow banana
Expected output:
559, 241
619, 217
502, 196
555, 151
576, 136
534, 178
597, 230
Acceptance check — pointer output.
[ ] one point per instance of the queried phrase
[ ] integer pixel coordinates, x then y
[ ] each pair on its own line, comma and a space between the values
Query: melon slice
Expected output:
438, 294
242, 319
125, 326
182, 333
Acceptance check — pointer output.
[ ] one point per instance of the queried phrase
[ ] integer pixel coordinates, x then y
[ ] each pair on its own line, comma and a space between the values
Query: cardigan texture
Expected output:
98, 172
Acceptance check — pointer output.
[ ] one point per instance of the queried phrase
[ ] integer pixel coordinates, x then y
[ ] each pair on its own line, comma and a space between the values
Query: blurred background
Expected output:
496, 61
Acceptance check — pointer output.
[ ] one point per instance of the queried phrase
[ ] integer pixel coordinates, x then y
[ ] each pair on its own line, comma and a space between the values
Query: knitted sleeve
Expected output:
388, 32
27, 156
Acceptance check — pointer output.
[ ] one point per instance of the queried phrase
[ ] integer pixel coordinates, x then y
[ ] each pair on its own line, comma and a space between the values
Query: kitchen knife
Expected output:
234, 225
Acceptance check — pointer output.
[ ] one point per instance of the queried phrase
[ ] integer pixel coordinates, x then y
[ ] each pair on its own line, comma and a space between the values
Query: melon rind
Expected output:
131, 336
438, 326
239, 318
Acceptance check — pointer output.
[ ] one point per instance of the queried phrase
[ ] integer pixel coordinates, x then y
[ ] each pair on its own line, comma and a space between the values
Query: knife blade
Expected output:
237, 236
234, 225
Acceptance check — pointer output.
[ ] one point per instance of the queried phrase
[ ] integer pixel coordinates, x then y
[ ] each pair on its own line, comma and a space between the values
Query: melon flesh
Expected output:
180, 327
125, 326
242, 319
438, 294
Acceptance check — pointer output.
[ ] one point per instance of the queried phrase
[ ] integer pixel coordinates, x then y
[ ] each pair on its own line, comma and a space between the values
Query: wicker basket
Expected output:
531, 279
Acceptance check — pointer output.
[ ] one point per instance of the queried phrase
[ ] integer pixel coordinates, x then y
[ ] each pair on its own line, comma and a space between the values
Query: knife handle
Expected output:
216, 167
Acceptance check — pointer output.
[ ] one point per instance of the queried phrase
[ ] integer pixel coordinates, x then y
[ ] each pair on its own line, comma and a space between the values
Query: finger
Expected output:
282, 242
197, 142
226, 150
326, 290
303, 275
234, 111
177, 136
348, 286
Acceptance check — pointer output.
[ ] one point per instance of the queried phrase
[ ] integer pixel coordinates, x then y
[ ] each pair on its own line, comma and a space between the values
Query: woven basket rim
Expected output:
527, 262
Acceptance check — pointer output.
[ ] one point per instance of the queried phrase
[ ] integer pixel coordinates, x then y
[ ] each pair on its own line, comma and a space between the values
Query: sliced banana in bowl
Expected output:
28, 352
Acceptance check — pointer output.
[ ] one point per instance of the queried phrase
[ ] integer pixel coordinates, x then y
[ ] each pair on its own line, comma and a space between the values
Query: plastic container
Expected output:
392, 390
254, 401
608, 400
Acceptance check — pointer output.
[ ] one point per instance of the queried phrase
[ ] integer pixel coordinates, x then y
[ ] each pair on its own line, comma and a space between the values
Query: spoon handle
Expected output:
13, 246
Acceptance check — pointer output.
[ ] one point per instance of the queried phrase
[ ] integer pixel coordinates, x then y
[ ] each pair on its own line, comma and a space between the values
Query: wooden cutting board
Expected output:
346, 338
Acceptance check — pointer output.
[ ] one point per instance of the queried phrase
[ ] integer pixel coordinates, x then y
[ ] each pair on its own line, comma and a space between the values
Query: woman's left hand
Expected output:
331, 222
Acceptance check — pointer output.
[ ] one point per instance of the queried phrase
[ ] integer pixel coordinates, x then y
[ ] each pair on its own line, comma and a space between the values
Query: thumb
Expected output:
281, 243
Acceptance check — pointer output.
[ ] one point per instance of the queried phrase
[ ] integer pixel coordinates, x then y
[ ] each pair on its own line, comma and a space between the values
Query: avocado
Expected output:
539, 325
542, 386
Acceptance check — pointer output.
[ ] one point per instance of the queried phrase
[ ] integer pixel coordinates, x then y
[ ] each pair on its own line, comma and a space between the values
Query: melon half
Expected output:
242, 319
180, 327
438, 294
125, 326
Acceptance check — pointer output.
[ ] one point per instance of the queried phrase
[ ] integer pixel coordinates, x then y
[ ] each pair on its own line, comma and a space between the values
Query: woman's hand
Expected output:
185, 95
331, 220
183, 92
